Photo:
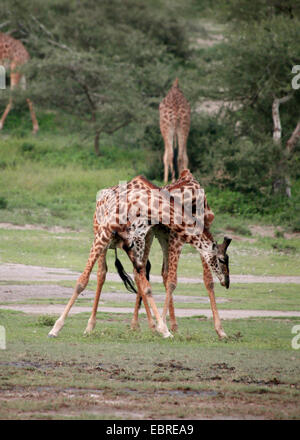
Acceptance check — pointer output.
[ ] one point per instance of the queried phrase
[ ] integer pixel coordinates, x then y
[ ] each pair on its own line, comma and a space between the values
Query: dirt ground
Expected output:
19, 293
24, 273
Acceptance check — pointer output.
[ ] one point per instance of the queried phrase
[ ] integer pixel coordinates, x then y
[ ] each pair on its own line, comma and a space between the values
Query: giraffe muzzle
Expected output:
226, 282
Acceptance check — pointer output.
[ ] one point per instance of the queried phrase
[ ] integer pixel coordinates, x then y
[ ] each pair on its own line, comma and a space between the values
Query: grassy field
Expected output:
264, 256
50, 183
117, 373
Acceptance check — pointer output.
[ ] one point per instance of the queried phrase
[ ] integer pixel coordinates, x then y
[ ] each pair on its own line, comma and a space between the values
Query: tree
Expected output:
107, 63
257, 74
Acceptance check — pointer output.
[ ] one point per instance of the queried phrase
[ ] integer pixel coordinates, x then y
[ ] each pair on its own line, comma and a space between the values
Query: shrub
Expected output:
3, 202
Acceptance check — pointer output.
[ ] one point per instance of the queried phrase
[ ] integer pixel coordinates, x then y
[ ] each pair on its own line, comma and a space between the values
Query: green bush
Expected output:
46, 321
3, 202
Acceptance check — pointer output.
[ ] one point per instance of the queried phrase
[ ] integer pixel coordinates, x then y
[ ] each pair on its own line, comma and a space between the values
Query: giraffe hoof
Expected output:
51, 335
222, 335
87, 332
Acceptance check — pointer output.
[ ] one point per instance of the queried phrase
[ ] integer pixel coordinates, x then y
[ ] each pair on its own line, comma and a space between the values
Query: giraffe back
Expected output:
175, 111
12, 51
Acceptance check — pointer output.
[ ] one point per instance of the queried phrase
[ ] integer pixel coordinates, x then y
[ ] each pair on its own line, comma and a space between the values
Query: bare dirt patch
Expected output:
28, 227
270, 231
57, 309
23, 273
14, 293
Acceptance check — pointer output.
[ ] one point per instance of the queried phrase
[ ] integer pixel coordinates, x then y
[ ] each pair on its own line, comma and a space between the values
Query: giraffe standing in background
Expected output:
13, 55
174, 120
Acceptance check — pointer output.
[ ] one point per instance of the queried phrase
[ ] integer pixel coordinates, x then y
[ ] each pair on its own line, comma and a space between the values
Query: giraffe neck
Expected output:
203, 243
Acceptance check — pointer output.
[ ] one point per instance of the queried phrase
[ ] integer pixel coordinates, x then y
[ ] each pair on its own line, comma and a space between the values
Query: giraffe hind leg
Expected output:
35, 125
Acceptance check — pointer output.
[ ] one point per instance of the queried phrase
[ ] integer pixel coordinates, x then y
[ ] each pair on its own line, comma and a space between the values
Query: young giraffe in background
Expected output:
13, 55
174, 121
115, 232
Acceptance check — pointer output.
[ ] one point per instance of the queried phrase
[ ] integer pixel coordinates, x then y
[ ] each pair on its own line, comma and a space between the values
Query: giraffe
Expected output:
171, 245
13, 55
110, 230
113, 230
174, 120
172, 242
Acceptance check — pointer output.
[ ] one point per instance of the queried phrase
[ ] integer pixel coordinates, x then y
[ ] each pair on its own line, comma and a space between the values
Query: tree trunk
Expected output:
281, 183
293, 139
96, 143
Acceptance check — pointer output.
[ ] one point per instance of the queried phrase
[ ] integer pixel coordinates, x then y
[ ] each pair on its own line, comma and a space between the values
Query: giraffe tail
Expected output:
127, 280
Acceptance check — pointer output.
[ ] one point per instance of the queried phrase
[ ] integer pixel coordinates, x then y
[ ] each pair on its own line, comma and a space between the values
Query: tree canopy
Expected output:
107, 62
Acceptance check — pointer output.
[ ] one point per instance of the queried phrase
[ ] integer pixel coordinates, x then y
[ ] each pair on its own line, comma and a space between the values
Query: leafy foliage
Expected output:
107, 63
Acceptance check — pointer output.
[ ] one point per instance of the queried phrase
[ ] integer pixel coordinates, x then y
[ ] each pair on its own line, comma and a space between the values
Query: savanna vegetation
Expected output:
98, 73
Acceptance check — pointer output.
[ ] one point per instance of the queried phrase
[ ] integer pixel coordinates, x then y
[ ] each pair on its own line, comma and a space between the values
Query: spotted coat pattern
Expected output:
110, 232
174, 121
13, 55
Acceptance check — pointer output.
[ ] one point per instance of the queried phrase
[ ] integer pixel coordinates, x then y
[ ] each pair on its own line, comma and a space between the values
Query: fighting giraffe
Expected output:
119, 233
111, 225
13, 55
172, 242
174, 121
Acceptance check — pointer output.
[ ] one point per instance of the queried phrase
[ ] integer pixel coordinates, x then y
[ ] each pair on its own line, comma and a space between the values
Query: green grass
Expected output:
254, 373
52, 178
264, 296
70, 250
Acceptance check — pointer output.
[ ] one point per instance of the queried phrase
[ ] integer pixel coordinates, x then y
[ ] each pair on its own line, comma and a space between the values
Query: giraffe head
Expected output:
218, 260
132, 240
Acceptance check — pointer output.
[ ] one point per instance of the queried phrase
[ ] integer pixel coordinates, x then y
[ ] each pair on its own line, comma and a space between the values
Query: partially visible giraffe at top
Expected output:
174, 120
12, 56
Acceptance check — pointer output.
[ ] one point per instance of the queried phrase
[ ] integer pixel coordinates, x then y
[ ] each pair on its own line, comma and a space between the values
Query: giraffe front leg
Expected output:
141, 254
101, 275
145, 290
61, 320
101, 241
135, 319
173, 322
170, 280
209, 284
